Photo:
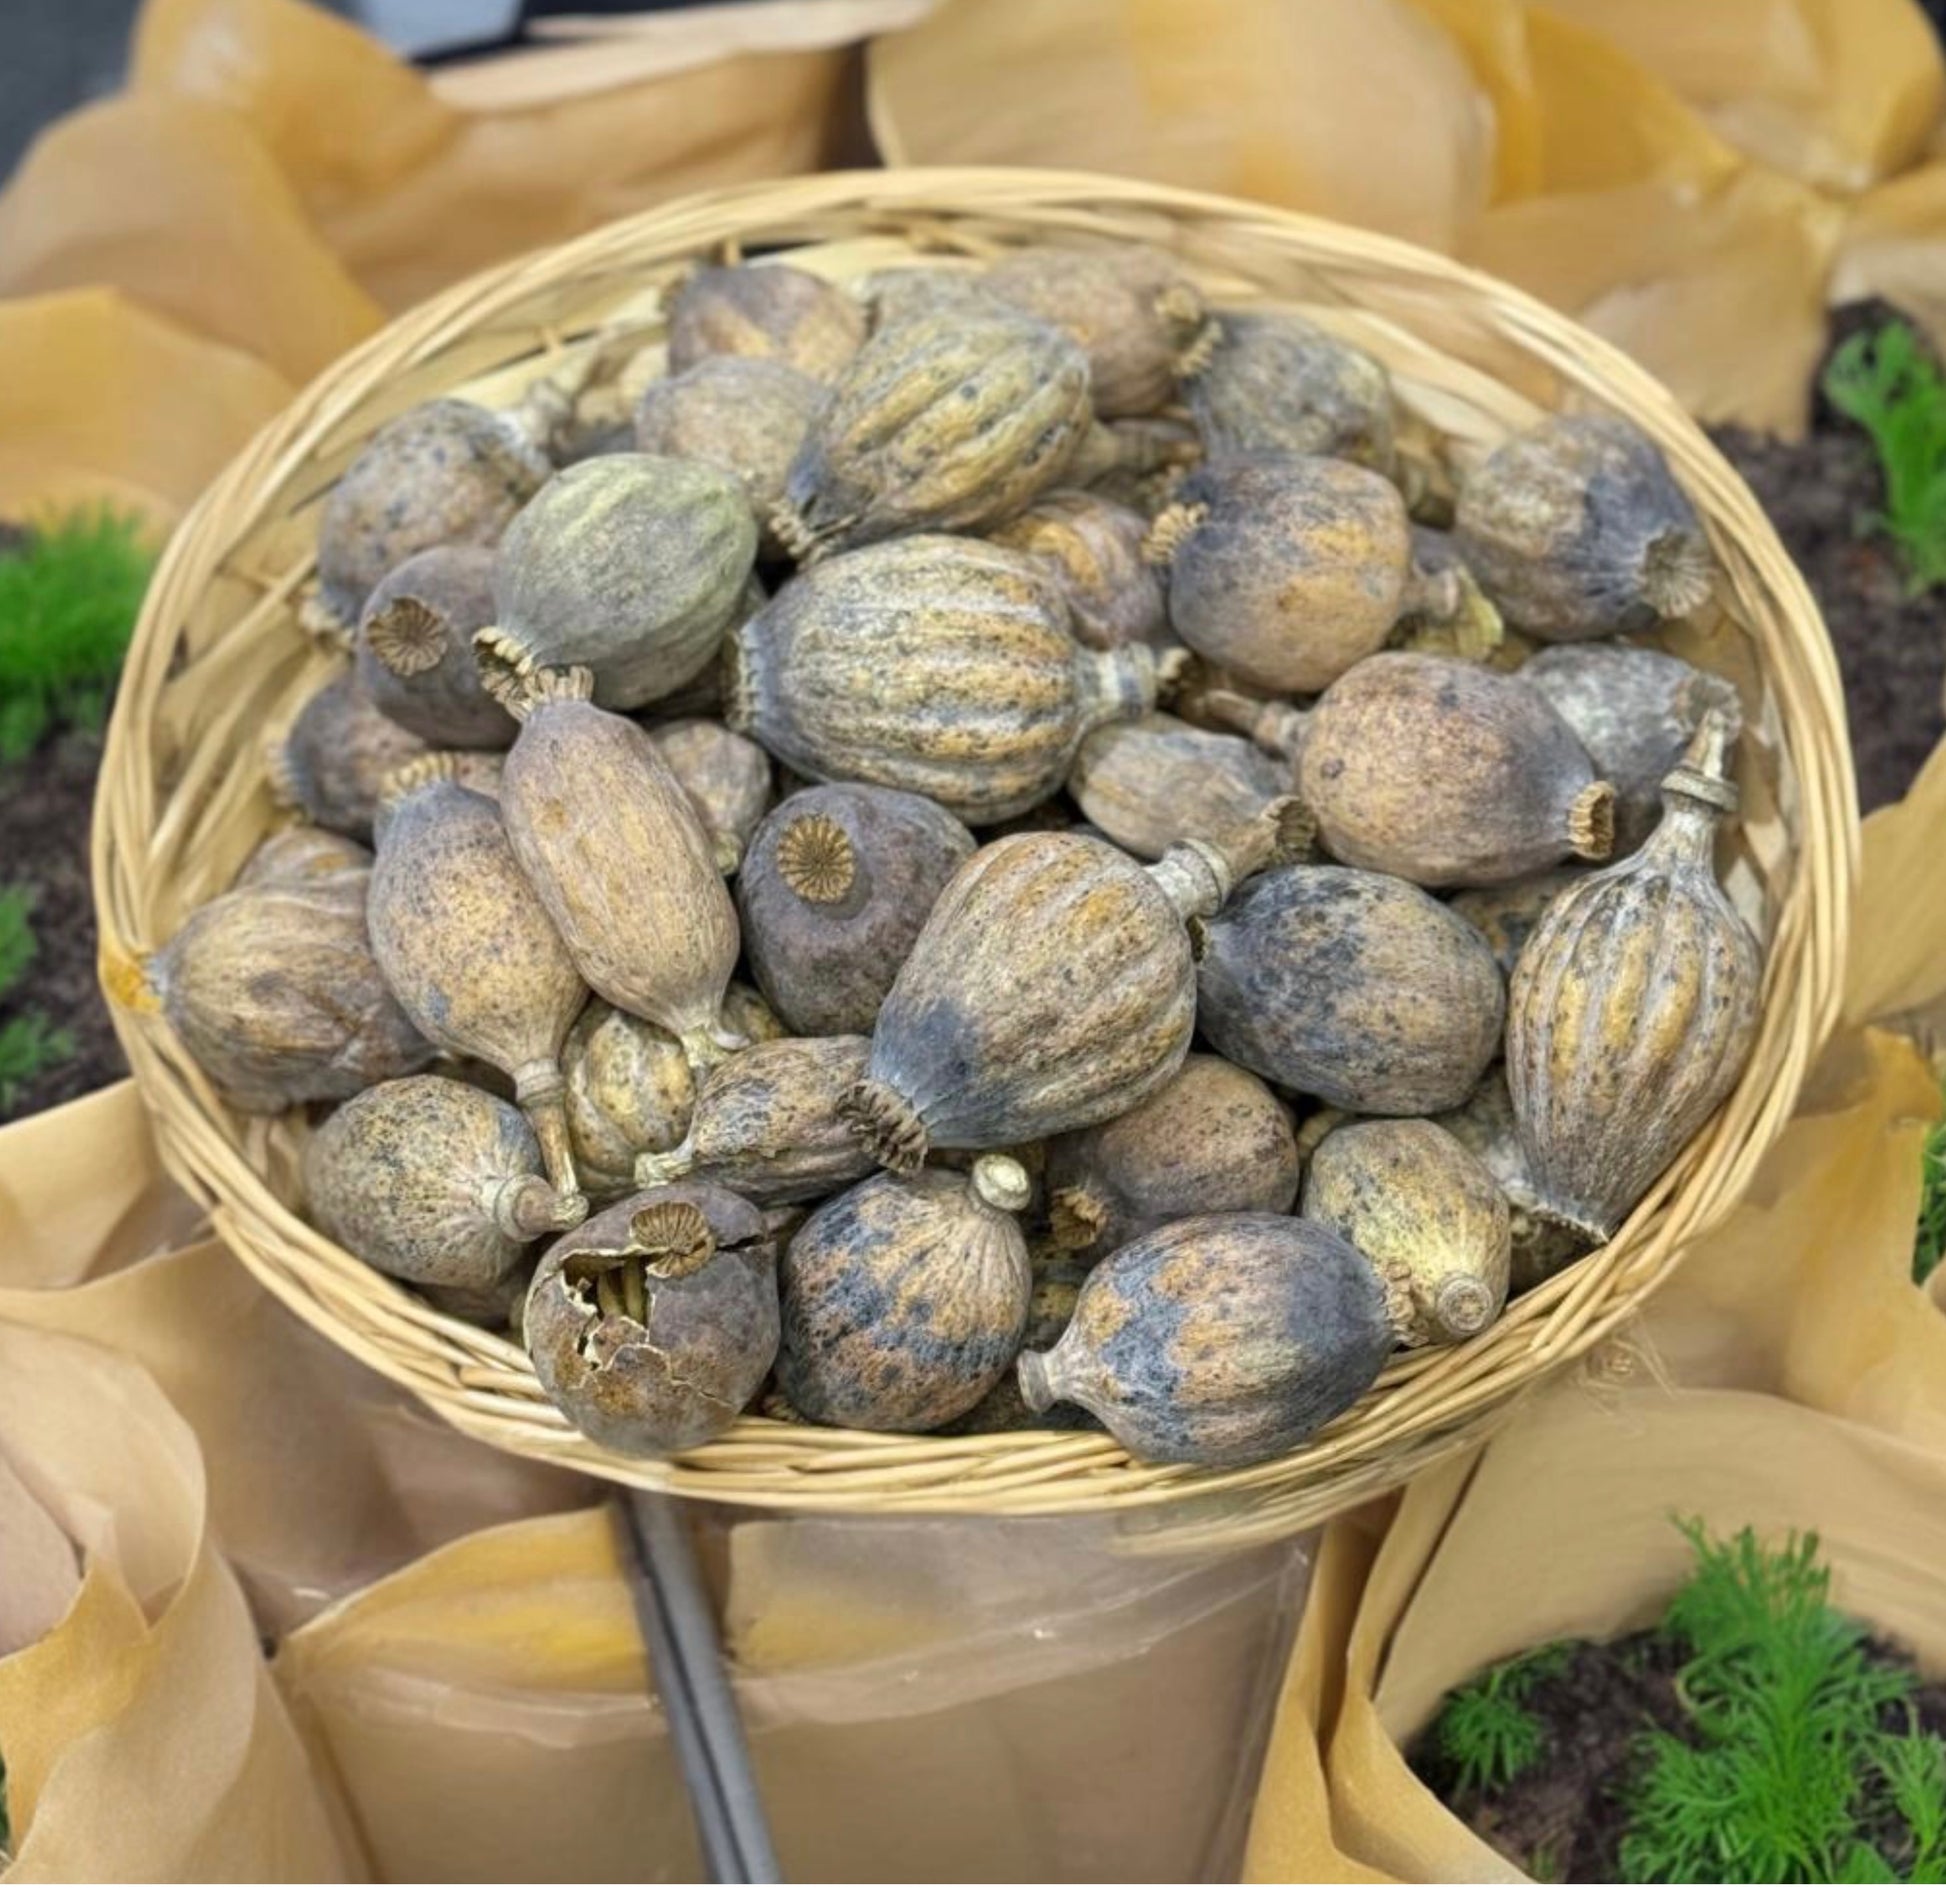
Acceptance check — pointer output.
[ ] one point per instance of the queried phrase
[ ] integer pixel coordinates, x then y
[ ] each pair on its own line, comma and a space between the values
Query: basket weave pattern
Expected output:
219, 660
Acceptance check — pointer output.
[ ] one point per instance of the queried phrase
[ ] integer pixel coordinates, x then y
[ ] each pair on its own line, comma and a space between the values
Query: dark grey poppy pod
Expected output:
1158, 781
836, 886
1508, 914
768, 311
726, 776
936, 665
1576, 529
1449, 775
1634, 710
303, 854
904, 1300
470, 951
414, 655
1091, 546
446, 473
1214, 1138
434, 1182
653, 1325
1356, 988
1633, 1008
1277, 383
767, 1125
632, 565
1219, 1340
328, 766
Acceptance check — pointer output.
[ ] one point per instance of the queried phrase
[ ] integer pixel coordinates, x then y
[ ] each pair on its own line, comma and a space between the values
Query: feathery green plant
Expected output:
1929, 1239
29, 1045
1890, 385
1485, 1730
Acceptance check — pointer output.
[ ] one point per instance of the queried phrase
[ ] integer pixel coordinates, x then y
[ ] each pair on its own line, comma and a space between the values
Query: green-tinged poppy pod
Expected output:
1276, 383
767, 312
414, 654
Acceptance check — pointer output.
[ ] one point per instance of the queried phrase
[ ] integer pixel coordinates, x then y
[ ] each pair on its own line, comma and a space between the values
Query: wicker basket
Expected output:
219, 659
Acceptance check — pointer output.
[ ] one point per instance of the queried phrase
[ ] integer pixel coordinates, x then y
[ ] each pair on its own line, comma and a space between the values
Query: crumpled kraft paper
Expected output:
143, 1737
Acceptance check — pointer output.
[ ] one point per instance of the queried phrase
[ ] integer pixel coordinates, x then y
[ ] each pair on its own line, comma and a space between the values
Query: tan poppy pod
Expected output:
1284, 571
1576, 529
766, 1124
1423, 1210
1142, 322
1156, 782
935, 665
303, 854
1357, 989
1277, 383
414, 654
273, 991
1507, 915
469, 949
904, 290
1633, 1008
1051, 988
653, 1325
1219, 1340
1003, 1408
1449, 775
614, 848
904, 1300
629, 564
434, 1182
1091, 546
1215, 1137
727, 778
768, 311
339, 749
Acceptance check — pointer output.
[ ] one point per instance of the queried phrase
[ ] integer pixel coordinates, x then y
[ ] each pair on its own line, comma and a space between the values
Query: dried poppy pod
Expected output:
1446, 612
446, 473
1156, 782
1449, 775
433, 1182
1633, 1008
614, 848
727, 778
653, 1325
1509, 913
768, 311
1051, 988
904, 1300
1285, 571
744, 414
1577, 530
273, 991
340, 747
632, 565
936, 665
469, 949
1142, 322
766, 1124
1214, 1138
838, 882
1423, 1210
1091, 546
303, 854
1634, 710
1219, 1340
1485, 1126
904, 290
1356, 988
1003, 1408
414, 655
1277, 383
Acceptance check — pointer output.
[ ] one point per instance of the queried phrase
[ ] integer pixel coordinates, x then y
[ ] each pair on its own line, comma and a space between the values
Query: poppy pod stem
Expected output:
1275, 728
541, 1092
1120, 685
885, 1124
1000, 1183
1036, 1385
1198, 877
524, 1208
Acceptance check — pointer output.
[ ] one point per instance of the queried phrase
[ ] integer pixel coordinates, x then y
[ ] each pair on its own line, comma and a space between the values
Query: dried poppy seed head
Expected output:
672, 1239
1001, 1182
1676, 572
422, 772
1591, 822
1172, 526
816, 859
886, 1124
1076, 1217
1463, 1306
406, 636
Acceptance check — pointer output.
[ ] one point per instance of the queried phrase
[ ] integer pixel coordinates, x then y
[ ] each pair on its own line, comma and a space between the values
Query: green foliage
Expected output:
1892, 388
1485, 1731
1929, 1239
29, 1045
6, 1826
68, 601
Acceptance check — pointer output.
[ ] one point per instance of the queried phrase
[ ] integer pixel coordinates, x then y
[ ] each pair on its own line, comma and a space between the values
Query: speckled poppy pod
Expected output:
933, 664
726, 776
1051, 988
1215, 1137
630, 564
837, 884
1449, 775
1158, 781
328, 766
1091, 546
1275, 382
469, 949
1003, 1408
768, 311
653, 1325
303, 854
904, 1300
434, 1182
1358, 989
1413, 1201
1576, 529
414, 654
1219, 1340
1633, 1008
617, 854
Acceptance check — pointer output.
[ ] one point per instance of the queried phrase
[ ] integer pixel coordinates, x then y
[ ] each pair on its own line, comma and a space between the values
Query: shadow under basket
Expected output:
219, 658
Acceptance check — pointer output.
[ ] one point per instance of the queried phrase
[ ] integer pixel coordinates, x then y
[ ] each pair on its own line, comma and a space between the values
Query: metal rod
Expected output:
679, 1628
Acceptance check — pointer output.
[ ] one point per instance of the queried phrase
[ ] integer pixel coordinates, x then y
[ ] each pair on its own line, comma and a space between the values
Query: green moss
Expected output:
29, 1045
1890, 385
